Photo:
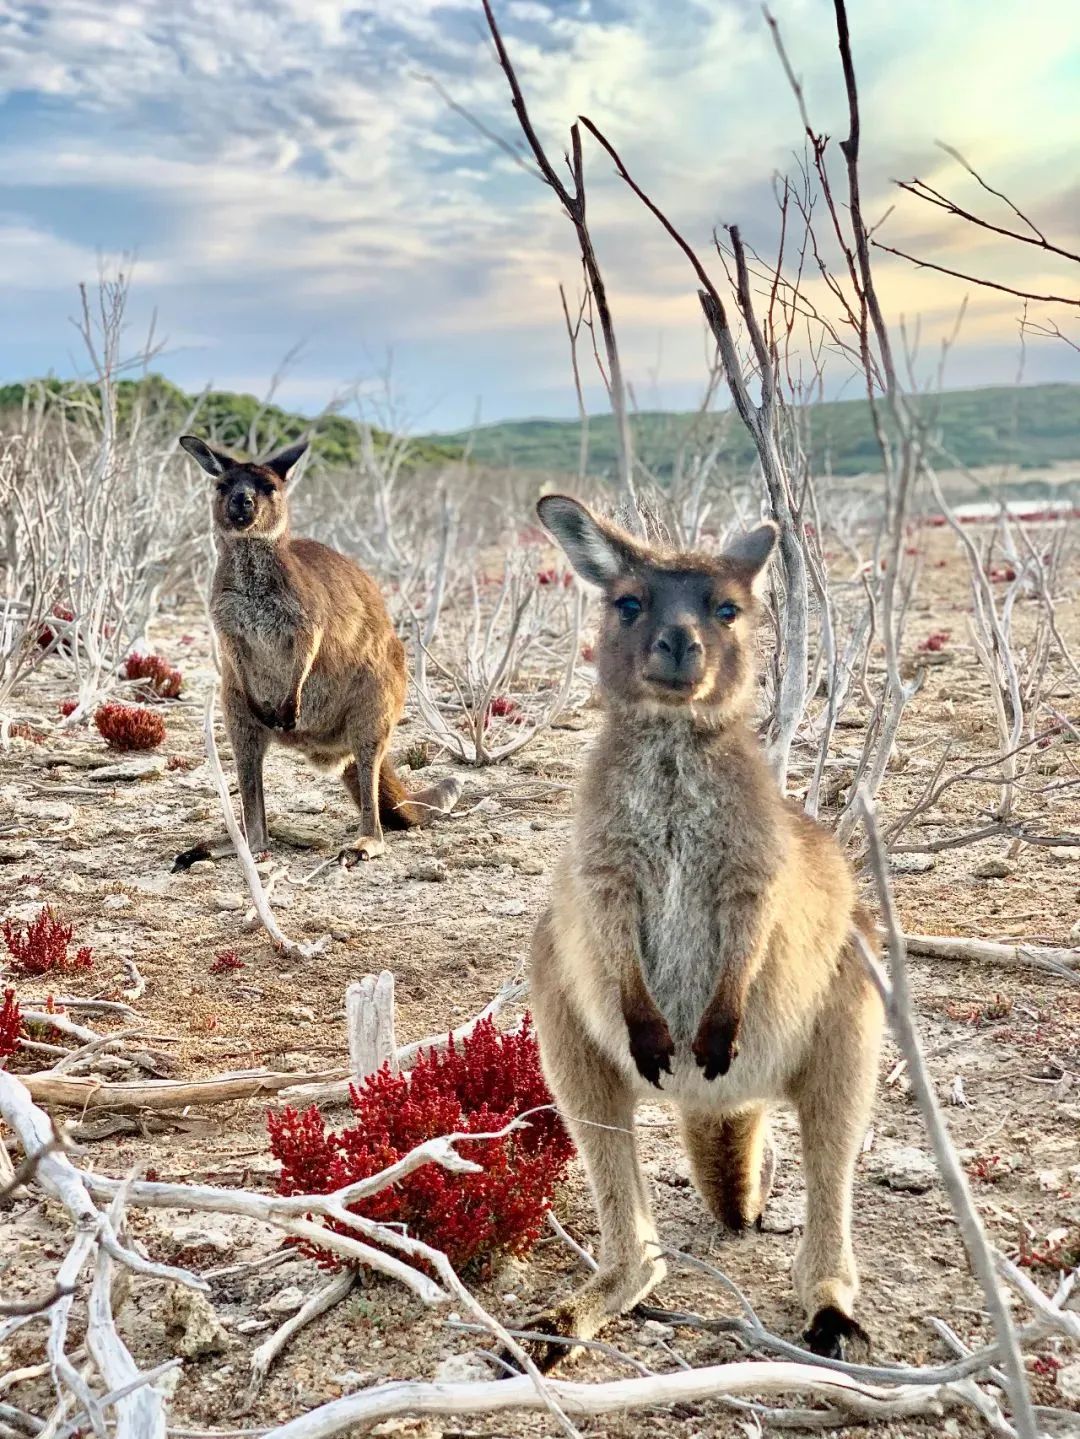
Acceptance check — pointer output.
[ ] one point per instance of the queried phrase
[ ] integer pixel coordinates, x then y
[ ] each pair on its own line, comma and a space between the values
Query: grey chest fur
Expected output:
680, 843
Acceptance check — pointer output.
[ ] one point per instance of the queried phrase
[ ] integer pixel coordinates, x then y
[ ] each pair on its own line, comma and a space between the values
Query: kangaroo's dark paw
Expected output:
835, 1335
287, 715
265, 714
545, 1354
651, 1047
186, 858
716, 1044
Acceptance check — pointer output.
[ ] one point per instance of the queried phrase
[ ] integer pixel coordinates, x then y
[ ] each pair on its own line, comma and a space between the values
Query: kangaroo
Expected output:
699, 937
309, 658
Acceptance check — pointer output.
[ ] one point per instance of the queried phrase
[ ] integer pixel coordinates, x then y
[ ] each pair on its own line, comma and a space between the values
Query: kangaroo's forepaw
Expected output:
361, 849
651, 1047
716, 1044
835, 1335
545, 1354
287, 715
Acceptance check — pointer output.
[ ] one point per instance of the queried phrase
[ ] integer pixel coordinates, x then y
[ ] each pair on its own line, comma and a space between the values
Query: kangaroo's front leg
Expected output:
596, 1101
741, 943
304, 654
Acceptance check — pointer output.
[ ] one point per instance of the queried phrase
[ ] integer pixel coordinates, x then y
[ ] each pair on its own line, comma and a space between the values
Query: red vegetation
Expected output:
42, 947
936, 641
68, 707
477, 1086
180, 761
1057, 1254
987, 1169
555, 577
128, 727
10, 1024
162, 681
49, 633
1046, 1364
28, 732
225, 961
588, 653
504, 707
1002, 574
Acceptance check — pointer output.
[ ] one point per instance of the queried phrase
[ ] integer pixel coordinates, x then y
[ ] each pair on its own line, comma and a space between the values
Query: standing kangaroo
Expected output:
309, 658
699, 936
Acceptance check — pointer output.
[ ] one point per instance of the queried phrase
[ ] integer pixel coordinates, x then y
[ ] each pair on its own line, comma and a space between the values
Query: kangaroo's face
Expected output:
249, 499
676, 628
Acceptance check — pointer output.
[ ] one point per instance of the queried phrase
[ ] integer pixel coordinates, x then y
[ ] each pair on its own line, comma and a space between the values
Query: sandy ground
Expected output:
101, 854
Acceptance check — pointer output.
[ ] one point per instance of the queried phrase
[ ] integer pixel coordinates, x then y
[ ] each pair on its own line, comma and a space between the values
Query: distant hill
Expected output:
226, 417
1030, 425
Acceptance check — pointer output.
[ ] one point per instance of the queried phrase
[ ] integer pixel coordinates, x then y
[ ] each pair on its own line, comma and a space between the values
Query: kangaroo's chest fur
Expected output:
702, 853
255, 605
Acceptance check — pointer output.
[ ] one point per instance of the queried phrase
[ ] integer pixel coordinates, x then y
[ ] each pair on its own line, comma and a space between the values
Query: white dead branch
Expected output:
319, 1303
288, 947
1064, 963
369, 1019
896, 996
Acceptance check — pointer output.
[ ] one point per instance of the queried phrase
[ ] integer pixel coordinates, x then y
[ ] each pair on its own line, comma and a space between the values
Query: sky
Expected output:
285, 174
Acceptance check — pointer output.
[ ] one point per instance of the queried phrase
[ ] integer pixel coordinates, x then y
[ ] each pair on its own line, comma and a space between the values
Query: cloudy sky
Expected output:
285, 174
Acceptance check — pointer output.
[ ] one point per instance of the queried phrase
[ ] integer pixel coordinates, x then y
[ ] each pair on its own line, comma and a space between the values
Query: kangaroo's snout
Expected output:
240, 508
677, 655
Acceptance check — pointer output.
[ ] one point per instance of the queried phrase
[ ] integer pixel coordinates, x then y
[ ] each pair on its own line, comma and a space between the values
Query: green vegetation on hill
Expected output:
1030, 425
225, 417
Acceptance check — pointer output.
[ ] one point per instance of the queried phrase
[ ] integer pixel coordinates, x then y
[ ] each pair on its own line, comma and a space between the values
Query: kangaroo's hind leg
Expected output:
250, 740
834, 1095
361, 778
597, 1104
732, 1160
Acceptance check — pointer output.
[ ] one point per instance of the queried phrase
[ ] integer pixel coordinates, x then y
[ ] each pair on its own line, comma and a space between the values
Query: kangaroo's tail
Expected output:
400, 808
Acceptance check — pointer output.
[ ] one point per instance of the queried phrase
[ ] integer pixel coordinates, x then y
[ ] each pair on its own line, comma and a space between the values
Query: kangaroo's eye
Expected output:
629, 608
727, 612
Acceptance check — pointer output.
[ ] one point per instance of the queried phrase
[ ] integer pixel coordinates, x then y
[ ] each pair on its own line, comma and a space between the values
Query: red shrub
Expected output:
28, 732
225, 961
504, 707
10, 1024
162, 681
50, 632
1002, 574
128, 727
555, 577
42, 946
68, 707
476, 1086
936, 641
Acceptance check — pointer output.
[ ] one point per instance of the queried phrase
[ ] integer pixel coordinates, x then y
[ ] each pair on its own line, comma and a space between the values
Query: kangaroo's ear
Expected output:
752, 550
283, 461
599, 551
214, 462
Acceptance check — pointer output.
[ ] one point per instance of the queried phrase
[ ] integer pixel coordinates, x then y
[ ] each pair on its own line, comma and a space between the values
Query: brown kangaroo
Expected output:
699, 936
309, 658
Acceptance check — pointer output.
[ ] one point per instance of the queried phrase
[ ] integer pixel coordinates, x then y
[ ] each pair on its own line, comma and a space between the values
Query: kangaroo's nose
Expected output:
241, 506
677, 643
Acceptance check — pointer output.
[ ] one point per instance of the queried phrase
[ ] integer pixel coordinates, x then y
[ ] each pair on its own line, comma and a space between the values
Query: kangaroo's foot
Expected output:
364, 848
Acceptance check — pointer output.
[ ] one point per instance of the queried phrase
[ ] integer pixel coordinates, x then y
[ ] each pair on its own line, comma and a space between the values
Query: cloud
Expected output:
285, 172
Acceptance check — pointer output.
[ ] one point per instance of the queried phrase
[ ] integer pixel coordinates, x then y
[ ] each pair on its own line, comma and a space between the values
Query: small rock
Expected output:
202, 866
505, 908
1065, 853
190, 1312
141, 767
460, 1369
432, 870
784, 1214
190, 1236
301, 1011
300, 836
907, 1169
230, 902
309, 802
530, 866
285, 1301
911, 863
994, 869
116, 901
253, 1326
49, 809
71, 884
1049, 1180
15, 853
655, 1330
263, 867
352, 1379
1068, 1380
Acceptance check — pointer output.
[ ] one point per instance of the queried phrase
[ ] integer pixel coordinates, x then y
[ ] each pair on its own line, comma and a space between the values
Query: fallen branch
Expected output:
1065, 963
288, 947
269, 1350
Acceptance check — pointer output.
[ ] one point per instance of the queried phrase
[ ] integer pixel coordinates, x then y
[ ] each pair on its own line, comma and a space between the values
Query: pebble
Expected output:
203, 866
253, 1326
116, 901
655, 1330
308, 802
1067, 853
994, 869
432, 870
285, 1301
1068, 1381
191, 1236
460, 1369
352, 1379
784, 1214
505, 908
229, 902
907, 1169
15, 853
140, 768
911, 863
202, 1332
49, 809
